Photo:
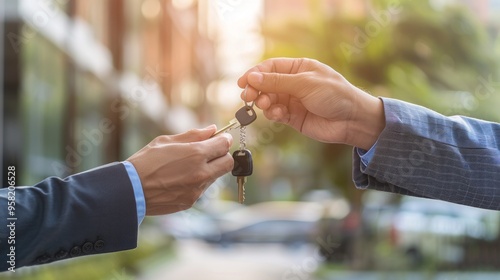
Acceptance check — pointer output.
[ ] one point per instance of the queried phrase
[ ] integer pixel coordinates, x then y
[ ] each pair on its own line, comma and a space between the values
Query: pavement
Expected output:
377, 275
198, 260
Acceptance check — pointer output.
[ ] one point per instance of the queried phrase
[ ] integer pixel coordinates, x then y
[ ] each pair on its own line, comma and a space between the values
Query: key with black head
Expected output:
243, 117
243, 167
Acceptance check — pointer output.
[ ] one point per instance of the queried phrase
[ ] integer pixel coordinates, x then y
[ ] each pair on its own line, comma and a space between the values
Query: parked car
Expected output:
190, 223
197, 222
324, 220
337, 227
277, 222
427, 230
289, 232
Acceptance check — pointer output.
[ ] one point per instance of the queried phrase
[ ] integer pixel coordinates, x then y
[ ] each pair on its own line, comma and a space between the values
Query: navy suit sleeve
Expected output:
88, 213
423, 153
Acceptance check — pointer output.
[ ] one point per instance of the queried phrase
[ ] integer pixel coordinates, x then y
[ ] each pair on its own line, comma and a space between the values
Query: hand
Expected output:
315, 100
175, 170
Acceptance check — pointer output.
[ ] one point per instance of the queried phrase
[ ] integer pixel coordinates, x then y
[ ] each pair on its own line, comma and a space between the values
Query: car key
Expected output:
243, 117
243, 167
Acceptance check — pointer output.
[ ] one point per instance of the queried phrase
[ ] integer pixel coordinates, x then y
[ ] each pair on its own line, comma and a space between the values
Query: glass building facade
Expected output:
95, 80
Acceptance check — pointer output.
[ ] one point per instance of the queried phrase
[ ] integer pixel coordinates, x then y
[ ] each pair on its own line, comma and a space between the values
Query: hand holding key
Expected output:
176, 169
315, 100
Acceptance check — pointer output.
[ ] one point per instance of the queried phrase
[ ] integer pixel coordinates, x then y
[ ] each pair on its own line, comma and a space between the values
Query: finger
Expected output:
274, 65
277, 83
218, 146
268, 99
249, 94
263, 102
195, 135
221, 165
278, 113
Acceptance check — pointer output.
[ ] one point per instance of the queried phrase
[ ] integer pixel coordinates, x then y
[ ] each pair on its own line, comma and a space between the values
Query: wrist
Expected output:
367, 122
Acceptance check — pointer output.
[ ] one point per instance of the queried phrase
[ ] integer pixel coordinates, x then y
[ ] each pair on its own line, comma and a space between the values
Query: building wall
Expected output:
148, 43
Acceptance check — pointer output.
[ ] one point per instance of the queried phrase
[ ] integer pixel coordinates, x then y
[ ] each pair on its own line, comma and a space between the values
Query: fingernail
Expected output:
229, 138
256, 77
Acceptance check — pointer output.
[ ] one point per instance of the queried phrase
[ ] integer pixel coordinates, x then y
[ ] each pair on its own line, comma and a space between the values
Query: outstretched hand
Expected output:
175, 170
315, 100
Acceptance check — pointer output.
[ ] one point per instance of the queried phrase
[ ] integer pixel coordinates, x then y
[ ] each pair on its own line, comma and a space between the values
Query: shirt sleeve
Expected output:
138, 192
366, 156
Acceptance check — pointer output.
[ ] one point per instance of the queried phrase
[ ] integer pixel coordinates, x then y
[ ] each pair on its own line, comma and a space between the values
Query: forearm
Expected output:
87, 213
424, 153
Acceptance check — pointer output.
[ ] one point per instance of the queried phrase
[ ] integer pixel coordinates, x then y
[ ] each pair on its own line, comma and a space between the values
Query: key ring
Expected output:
245, 98
243, 138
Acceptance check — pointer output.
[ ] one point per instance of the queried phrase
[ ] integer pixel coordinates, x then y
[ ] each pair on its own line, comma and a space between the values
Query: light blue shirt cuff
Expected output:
366, 156
138, 192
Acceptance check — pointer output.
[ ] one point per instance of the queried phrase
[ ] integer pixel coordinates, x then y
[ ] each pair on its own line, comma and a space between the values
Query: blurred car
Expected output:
289, 232
325, 220
197, 222
190, 223
269, 222
427, 230
337, 227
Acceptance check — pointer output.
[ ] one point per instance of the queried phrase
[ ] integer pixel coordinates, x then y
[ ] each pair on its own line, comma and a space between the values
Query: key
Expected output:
243, 167
243, 117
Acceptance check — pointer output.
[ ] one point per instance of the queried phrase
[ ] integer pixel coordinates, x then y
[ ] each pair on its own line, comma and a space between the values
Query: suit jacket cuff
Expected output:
421, 152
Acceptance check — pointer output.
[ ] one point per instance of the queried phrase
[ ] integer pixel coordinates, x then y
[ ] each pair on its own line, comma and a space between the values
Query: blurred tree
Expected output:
442, 58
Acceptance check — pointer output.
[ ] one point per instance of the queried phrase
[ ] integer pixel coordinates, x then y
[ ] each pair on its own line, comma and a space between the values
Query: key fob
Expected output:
246, 115
243, 163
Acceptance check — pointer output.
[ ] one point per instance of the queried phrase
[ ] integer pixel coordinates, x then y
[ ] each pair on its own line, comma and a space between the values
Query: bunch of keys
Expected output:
243, 163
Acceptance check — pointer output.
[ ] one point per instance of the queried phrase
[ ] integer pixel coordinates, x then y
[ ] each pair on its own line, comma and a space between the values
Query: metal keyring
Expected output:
245, 98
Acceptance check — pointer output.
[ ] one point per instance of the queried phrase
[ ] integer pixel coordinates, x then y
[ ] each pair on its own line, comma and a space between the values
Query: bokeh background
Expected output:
88, 82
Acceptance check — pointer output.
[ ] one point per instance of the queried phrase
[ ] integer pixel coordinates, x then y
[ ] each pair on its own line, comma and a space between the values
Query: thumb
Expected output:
195, 135
276, 83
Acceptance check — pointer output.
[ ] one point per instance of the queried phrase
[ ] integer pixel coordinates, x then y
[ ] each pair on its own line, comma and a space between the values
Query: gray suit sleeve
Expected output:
423, 153
87, 213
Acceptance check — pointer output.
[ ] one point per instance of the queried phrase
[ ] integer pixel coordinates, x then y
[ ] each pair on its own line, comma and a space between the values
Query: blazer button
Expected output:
75, 251
43, 259
87, 247
61, 255
99, 245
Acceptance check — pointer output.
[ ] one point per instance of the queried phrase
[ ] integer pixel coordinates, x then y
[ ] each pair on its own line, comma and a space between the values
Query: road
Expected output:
378, 275
198, 260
